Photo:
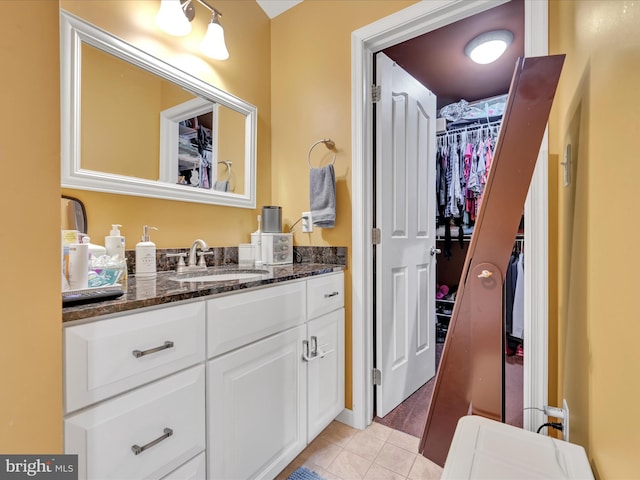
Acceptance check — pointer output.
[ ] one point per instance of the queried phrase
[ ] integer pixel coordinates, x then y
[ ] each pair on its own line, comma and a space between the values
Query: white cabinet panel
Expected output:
194, 469
257, 408
236, 320
165, 419
100, 360
325, 293
325, 375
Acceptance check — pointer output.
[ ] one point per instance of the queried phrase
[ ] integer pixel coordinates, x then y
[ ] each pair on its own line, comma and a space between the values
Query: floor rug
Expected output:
303, 473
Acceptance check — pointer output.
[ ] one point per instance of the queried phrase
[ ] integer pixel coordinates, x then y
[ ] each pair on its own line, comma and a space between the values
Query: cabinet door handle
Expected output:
137, 449
321, 353
316, 351
142, 353
332, 294
305, 352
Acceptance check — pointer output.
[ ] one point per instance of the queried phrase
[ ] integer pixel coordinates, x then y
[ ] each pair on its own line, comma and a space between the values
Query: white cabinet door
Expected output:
256, 408
325, 371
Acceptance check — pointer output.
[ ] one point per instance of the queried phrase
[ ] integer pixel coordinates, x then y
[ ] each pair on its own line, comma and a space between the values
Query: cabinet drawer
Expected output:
325, 293
236, 320
165, 419
111, 356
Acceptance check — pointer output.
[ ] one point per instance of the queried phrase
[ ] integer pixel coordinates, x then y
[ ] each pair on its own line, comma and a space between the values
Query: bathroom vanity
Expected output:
233, 382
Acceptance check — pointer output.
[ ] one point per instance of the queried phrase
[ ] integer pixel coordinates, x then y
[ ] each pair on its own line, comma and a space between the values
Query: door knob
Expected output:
435, 251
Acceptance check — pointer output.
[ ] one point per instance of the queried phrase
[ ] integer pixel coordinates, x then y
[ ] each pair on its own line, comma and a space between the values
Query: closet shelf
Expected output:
444, 311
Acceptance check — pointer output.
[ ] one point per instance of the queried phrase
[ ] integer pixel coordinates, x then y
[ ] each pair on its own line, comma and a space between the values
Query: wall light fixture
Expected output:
174, 17
489, 46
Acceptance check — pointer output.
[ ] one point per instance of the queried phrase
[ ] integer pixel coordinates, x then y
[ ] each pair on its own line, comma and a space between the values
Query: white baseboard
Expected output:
347, 417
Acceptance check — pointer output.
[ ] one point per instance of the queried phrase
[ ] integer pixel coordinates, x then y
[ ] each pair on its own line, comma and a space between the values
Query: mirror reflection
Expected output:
138, 126
73, 216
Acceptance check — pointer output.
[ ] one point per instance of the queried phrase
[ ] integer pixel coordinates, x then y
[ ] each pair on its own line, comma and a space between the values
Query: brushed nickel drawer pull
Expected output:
332, 294
137, 449
142, 353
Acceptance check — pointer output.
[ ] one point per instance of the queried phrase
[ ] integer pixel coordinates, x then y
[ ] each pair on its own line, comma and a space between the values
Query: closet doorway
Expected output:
470, 101
411, 22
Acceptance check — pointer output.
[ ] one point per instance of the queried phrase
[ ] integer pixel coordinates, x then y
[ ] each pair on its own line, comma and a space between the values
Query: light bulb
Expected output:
213, 42
488, 52
171, 18
489, 46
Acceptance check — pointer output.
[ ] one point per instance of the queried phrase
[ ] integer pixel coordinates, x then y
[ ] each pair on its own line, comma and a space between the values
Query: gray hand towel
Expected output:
322, 189
221, 186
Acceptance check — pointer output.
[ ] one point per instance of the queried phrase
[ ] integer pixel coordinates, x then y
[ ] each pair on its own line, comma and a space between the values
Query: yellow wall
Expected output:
597, 112
311, 93
30, 357
245, 74
300, 62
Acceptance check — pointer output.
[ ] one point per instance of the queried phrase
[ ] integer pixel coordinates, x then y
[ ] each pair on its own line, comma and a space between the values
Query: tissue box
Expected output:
277, 248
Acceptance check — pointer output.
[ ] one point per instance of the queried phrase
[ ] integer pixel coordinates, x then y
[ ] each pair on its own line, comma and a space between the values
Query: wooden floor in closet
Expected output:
410, 416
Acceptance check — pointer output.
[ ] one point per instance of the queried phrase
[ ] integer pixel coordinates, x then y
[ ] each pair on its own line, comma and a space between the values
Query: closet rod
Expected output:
467, 238
472, 127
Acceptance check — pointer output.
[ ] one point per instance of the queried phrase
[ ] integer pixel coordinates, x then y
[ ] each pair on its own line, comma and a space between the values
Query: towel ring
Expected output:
228, 164
327, 143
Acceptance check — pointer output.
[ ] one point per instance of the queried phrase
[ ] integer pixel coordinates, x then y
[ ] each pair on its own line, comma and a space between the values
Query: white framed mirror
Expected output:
132, 124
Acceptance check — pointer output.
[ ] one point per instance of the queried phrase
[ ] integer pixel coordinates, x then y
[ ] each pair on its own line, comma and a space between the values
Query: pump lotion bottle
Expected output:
114, 242
146, 255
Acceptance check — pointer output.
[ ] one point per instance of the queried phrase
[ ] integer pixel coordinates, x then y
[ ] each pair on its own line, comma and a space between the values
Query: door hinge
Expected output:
376, 93
375, 236
377, 377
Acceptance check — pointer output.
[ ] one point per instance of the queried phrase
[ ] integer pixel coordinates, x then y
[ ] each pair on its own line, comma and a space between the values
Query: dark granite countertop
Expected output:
162, 289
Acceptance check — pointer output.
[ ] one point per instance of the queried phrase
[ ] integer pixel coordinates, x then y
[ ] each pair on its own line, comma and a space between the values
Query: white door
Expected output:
405, 214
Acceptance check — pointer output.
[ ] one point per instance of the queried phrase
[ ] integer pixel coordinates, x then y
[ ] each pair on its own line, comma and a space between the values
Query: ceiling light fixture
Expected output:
489, 46
174, 17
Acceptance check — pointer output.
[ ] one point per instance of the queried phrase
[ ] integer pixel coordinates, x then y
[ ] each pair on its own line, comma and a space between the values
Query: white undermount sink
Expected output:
223, 276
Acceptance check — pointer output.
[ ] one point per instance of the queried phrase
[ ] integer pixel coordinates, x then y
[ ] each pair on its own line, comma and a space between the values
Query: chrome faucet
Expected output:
194, 264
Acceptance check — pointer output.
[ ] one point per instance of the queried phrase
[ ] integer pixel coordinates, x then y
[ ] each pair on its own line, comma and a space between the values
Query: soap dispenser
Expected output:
114, 242
146, 255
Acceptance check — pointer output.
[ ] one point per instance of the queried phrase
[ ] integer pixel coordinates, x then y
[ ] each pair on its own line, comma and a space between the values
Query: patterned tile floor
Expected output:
376, 453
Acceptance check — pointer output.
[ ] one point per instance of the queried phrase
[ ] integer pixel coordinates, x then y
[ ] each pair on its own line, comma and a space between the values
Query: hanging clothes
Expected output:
463, 159
510, 291
517, 329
